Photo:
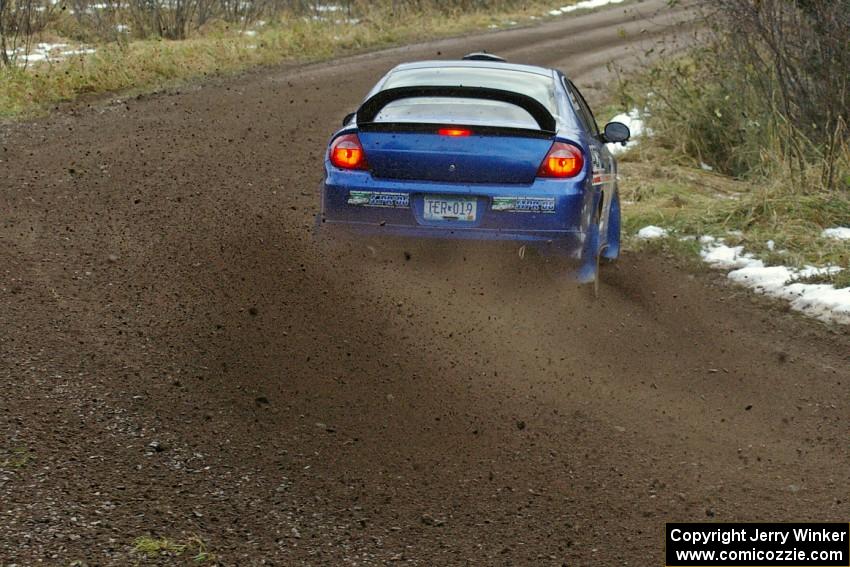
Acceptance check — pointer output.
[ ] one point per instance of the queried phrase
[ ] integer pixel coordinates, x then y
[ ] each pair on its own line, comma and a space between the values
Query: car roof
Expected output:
475, 65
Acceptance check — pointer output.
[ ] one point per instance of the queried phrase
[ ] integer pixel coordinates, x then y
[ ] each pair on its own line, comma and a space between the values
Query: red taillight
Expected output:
563, 160
454, 132
347, 152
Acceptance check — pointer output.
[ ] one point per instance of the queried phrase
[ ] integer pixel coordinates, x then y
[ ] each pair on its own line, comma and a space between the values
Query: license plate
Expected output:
450, 208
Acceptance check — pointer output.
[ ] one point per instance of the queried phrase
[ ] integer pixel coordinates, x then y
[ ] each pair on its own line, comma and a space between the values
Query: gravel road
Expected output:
179, 356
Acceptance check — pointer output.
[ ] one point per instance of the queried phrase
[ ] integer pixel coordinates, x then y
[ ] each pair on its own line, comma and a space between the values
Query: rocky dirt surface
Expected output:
180, 357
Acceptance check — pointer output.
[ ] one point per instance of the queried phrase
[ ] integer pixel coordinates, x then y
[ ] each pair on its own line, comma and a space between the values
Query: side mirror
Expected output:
616, 132
348, 118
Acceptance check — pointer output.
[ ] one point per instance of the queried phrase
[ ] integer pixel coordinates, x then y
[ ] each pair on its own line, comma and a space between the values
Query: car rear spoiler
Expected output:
370, 109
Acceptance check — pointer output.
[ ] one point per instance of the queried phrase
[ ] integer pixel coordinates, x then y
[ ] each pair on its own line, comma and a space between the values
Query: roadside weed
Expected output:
15, 458
154, 547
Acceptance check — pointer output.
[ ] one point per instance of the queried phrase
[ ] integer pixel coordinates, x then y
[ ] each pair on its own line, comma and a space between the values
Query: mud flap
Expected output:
611, 249
588, 270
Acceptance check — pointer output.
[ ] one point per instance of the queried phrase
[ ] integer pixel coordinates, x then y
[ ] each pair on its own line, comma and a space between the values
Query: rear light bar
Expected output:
562, 161
454, 132
346, 152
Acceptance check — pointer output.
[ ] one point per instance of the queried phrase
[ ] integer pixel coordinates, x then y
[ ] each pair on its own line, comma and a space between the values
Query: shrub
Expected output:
765, 96
20, 21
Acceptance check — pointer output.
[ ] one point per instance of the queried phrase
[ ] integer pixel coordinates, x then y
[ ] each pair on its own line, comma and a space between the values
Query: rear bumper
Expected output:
563, 228
560, 242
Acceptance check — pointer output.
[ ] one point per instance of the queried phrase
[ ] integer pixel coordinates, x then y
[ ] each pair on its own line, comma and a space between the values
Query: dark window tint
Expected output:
538, 87
442, 110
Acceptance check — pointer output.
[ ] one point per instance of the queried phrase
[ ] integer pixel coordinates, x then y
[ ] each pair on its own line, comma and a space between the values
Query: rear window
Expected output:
538, 87
449, 110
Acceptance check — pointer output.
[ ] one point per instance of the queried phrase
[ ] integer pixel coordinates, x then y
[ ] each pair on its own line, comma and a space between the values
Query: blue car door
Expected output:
603, 163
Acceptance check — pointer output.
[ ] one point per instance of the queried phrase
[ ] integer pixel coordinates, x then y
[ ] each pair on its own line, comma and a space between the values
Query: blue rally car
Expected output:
482, 149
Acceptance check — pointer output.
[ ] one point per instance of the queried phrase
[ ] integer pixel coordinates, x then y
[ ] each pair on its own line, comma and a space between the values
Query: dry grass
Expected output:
690, 201
15, 458
772, 181
151, 64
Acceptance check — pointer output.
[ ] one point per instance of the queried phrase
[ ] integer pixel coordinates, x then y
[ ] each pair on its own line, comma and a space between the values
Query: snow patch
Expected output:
837, 233
583, 5
822, 301
650, 232
764, 279
46, 52
721, 256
